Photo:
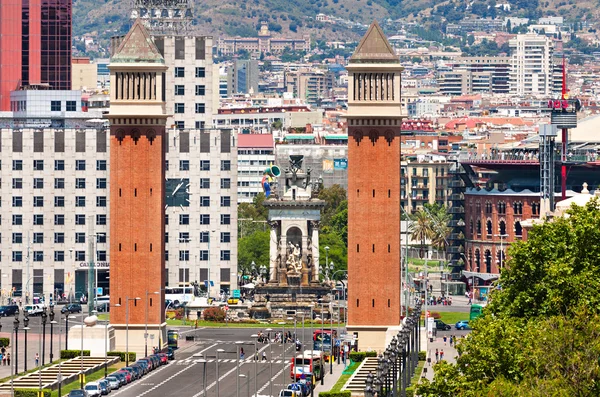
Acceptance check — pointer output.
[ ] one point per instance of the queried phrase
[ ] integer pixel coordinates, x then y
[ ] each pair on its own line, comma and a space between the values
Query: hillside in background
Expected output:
217, 18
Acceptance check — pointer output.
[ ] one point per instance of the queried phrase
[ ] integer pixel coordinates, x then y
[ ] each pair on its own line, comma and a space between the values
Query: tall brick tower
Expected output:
137, 191
374, 118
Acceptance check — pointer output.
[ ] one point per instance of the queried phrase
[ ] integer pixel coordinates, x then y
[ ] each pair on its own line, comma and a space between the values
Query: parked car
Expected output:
34, 310
126, 374
114, 382
289, 393
121, 377
78, 393
8, 310
71, 308
93, 389
171, 354
132, 373
462, 324
104, 386
163, 358
439, 324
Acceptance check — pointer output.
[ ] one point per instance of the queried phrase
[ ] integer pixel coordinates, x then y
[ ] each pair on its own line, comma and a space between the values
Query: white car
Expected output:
114, 382
289, 393
34, 310
93, 389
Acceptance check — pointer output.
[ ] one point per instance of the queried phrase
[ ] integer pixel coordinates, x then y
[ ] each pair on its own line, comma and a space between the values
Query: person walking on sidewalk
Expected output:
37, 359
441, 354
437, 355
8, 358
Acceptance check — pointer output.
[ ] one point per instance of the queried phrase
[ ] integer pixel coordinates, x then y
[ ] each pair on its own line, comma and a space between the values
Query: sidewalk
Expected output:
450, 355
330, 379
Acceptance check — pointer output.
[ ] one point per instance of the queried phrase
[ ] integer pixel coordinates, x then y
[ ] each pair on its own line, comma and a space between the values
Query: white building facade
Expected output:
531, 65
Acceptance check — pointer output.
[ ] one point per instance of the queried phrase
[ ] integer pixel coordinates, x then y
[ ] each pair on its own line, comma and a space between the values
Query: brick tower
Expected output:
374, 118
137, 195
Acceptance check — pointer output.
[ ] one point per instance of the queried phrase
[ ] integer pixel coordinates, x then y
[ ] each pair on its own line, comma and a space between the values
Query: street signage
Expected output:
99, 291
236, 293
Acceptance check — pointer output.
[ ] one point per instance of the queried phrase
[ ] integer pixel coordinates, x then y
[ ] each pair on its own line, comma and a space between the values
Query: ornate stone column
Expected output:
273, 251
315, 250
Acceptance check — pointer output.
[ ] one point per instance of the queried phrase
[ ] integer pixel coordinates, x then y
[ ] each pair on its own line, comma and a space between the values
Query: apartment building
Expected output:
309, 85
256, 152
242, 77
472, 75
531, 65
424, 180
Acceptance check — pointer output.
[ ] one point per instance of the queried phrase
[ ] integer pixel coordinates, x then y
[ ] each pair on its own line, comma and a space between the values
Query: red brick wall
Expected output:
475, 208
373, 226
137, 227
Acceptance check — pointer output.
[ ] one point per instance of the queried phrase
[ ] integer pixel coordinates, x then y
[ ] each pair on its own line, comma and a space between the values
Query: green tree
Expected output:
333, 197
252, 216
420, 228
338, 251
339, 221
440, 221
253, 247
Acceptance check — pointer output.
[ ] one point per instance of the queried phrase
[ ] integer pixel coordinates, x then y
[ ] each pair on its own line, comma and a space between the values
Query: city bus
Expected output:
308, 364
322, 341
476, 311
173, 338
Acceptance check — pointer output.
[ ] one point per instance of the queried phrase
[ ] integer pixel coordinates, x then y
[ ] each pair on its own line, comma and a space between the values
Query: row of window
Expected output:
185, 255
501, 206
184, 165
59, 219
184, 237
56, 106
200, 108
59, 238
59, 183
59, 165
184, 219
180, 72
59, 256
180, 90
59, 201
518, 229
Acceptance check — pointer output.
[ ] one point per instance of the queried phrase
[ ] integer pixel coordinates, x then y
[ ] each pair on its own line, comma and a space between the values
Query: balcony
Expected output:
457, 223
440, 187
457, 183
420, 198
457, 236
457, 210
457, 197
456, 249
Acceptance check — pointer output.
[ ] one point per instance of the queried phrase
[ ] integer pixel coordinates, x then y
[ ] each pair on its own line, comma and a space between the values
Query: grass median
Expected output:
94, 376
348, 372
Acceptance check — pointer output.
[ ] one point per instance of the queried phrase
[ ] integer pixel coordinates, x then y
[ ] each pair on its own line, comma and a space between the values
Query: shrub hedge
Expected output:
214, 314
422, 355
345, 393
31, 392
371, 354
4, 342
121, 355
357, 357
66, 354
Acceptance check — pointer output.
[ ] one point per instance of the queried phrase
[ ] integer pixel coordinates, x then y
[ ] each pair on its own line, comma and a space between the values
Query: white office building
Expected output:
531, 65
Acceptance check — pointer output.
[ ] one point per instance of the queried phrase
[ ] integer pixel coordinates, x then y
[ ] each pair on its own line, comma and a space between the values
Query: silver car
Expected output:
114, 382
93, 389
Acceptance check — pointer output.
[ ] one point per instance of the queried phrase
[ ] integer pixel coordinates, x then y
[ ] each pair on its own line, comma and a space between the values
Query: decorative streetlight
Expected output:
16, 324
52, 322
394, 358
44, 320
217, 379
253, 269
127, 299
263, 272
369, 391
270, 360
326, 256
25, 328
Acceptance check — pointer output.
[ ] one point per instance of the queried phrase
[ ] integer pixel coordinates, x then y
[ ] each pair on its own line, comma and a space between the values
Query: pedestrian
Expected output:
4, 359
437, 355
451, 340
256, 356
241, 353
441, 354
8, 358
37, 359
264, 356
445, 339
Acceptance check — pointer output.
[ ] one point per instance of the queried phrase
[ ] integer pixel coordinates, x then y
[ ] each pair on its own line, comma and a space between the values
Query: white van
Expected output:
34, 310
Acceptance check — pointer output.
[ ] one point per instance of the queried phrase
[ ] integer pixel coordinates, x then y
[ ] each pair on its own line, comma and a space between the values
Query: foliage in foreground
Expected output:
540, 335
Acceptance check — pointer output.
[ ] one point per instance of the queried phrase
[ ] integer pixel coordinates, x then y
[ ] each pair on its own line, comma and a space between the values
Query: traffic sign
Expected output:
236, 293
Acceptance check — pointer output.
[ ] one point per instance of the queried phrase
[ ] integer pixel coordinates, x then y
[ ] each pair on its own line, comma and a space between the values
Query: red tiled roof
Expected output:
255, 141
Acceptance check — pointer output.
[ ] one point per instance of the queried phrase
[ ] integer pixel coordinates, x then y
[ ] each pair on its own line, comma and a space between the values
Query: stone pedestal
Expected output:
274, 301
97, 339
157, 337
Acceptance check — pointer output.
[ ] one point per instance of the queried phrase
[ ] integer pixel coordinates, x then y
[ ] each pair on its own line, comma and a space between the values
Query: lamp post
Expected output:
270, 361
52, 322
217, 375
326, 256
16, 324
66, 330
283, 351
331, 338
501, 259
255, 337
44, 320
12, 373
369, 391
237, 369
127, 299
146, 328
106, 341
25, 328
81, 358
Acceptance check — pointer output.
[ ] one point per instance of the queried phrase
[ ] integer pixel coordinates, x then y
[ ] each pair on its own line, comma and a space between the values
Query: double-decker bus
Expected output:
322, 340
309, 363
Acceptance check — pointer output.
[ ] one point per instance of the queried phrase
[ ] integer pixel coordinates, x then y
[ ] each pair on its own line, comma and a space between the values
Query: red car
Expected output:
127, 375
163, 358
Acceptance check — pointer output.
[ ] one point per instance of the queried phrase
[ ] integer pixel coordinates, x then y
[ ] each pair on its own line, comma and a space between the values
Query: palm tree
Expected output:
440, 219
420, 228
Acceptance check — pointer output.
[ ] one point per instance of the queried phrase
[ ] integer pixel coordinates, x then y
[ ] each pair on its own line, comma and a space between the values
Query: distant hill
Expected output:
240, 17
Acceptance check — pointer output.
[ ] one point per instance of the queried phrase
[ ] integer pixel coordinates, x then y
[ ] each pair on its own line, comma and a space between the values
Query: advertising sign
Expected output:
164, 15
340, 164
328, 166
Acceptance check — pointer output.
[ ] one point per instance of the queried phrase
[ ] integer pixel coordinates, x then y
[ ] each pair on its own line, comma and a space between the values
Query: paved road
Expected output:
183, 377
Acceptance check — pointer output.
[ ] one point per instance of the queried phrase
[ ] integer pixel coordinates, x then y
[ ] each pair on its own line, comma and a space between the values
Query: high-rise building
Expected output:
531, 64
35, 38
137, 189
242, 77
374, 121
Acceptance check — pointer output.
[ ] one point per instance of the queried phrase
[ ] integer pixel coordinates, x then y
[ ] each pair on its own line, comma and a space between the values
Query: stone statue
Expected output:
294, 264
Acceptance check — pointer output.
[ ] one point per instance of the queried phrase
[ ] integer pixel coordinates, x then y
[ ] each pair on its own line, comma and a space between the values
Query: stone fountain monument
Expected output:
294, 248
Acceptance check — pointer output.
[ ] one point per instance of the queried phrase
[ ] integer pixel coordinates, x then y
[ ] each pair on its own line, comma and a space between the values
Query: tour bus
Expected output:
180, 294
309, 363
476, 311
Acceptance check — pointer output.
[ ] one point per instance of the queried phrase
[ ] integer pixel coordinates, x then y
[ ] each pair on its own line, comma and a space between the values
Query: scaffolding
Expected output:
547, 138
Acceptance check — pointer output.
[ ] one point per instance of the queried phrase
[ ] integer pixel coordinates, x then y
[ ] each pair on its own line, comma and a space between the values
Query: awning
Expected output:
290, 137
342, 137
483, 276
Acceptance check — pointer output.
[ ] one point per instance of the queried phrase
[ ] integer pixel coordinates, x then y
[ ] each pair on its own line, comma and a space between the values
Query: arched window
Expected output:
479, 227
501, 208
518, 229
518, 208
489, 228
500, 259
471, 259
488, 261
477, 260
502, 228
535, 209
488, 207
471, 227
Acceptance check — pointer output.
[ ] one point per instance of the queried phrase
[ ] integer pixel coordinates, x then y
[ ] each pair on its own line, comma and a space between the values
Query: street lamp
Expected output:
502, 237
25, 328
106, 341
82, 325
217, 380
326, 256
263, 272
253, 269
44, 319
270, 360
16, 324
127, 299
255, 337
52, 322
237, 368
283, 344
146, 328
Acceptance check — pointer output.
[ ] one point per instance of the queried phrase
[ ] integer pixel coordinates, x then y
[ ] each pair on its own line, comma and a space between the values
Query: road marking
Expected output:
156, 372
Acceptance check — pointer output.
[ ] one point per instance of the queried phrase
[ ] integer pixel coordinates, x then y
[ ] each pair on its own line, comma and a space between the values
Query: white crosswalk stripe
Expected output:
188, 361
